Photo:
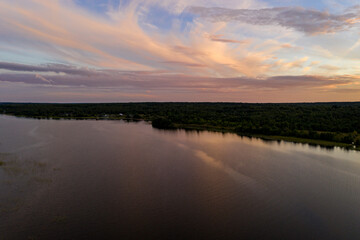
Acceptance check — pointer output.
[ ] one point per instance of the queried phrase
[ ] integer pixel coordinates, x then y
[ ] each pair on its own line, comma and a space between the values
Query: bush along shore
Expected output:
325, 124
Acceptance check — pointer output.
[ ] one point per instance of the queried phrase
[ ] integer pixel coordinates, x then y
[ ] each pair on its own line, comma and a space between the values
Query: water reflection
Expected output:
112, 179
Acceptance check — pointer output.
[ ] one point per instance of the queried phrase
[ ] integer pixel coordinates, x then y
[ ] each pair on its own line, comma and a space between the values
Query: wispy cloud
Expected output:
56, 68
309, 21
228, 50
38, 76
119, 41
219, 38
330, 67
144, 80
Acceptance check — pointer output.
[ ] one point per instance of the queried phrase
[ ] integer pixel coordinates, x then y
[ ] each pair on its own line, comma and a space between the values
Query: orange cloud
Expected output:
63, 31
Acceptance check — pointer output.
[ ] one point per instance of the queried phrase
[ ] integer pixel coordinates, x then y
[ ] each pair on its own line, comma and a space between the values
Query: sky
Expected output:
173, 50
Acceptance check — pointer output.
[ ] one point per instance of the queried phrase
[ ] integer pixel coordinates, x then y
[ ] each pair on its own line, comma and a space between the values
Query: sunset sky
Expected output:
172, 50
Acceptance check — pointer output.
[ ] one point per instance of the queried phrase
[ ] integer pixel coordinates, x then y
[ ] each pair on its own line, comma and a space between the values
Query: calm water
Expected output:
72, 179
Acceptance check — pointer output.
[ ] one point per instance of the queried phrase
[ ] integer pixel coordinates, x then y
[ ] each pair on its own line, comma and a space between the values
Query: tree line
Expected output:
338, 122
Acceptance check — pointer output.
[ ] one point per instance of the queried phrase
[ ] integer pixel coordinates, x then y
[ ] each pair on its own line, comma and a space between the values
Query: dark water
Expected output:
115, 180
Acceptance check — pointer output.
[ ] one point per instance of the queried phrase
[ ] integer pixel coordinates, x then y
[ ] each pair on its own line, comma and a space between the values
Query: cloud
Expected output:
286, 66
218, 38
155, 80
329, 67
127, 86
314, 63
309, 21
187, 64
67, 46
287, 45
56, 68
44, 79
120, 41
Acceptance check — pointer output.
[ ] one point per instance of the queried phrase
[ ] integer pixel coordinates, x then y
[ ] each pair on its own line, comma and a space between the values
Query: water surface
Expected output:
68, 179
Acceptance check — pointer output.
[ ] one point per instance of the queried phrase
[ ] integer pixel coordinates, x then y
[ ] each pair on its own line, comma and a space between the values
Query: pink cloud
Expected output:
116, 57
63, 31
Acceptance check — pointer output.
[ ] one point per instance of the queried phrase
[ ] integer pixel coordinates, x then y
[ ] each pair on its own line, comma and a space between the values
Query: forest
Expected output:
330, 122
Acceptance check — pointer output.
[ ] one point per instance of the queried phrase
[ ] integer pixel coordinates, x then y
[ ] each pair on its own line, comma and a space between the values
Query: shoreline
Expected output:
316, 142
190, 127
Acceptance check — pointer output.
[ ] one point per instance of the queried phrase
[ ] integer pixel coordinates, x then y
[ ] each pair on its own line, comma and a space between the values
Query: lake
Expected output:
72, 179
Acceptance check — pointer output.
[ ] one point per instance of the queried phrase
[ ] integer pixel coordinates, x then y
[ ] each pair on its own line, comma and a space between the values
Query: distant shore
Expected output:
314, 142
323, 124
